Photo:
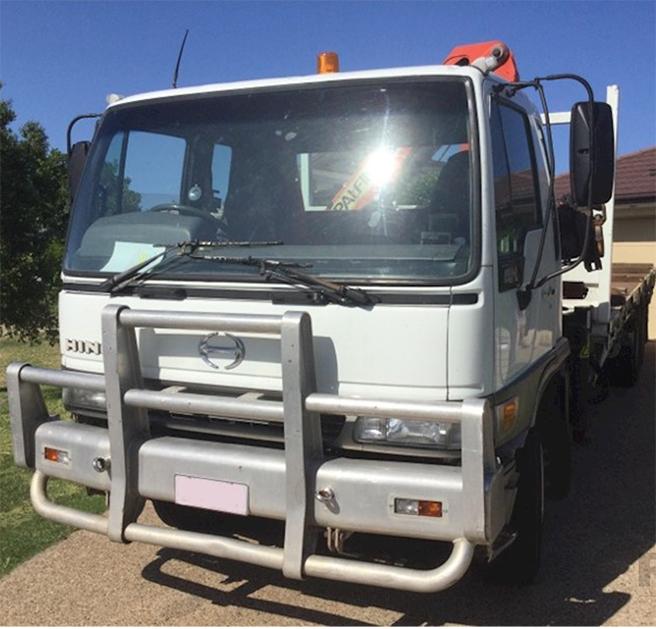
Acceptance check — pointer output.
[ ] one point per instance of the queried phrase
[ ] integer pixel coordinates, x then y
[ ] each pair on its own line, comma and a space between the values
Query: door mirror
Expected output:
574, 223
600, 162
572, 232
76, 160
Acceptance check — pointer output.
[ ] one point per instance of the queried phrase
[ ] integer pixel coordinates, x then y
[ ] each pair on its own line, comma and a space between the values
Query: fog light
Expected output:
56, 456
407, 506
402, 432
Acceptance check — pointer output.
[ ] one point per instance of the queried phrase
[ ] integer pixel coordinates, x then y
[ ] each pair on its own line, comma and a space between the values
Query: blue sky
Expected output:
59, 59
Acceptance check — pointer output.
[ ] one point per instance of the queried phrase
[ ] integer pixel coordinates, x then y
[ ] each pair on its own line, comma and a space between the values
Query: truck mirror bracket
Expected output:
524, 298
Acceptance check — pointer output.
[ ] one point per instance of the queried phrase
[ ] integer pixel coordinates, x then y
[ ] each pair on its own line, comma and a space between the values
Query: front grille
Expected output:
194, 426
270, 434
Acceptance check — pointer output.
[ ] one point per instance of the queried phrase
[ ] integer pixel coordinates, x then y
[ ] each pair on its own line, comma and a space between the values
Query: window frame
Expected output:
511, 264
124, 162
218, 143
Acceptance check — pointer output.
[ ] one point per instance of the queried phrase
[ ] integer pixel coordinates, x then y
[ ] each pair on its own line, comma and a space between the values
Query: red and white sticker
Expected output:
378, 170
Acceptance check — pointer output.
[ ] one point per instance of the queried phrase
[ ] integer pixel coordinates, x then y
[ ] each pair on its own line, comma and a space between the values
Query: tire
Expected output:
624, 369
556, 442
520, 562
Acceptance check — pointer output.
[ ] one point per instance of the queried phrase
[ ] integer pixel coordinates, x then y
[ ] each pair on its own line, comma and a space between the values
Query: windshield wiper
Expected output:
170, 252
287, 272
270, 269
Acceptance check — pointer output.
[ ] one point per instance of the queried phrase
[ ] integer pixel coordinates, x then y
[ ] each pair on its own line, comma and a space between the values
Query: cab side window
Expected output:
221, 169
152, 171
516, 191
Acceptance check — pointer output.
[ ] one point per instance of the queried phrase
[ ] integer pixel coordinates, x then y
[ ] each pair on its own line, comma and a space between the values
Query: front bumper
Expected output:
289, 484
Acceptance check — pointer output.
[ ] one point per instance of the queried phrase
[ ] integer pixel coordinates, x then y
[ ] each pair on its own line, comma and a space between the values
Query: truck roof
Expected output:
335, 77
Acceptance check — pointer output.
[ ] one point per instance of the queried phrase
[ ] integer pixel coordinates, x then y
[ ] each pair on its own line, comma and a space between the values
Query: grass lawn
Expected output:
22, 532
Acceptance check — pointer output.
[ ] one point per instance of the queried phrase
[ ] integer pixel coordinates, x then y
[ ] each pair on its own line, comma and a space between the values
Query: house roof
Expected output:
635, 178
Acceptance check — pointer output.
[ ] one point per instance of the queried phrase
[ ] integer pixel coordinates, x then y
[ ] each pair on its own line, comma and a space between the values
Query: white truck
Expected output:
348, 302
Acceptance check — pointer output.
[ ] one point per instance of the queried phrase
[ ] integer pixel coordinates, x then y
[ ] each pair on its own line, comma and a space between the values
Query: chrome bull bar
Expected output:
128, 430
334, 568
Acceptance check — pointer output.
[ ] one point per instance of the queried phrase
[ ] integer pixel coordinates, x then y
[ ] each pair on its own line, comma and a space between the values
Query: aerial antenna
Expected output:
174, 83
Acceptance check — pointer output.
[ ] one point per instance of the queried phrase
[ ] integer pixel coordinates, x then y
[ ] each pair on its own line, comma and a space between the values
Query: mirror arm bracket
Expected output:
71, 124
524, 294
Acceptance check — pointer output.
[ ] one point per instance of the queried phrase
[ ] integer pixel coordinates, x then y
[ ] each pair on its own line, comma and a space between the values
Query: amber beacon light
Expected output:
327, 62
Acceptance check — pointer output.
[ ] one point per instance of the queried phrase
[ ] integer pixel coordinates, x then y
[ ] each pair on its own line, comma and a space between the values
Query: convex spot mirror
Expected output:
600, 162
76, 160
573, 224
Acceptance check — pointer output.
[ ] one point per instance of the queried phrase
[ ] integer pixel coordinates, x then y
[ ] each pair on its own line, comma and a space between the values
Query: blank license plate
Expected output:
217, 495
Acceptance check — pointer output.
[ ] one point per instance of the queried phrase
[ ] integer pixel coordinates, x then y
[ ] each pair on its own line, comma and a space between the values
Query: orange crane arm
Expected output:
467, 54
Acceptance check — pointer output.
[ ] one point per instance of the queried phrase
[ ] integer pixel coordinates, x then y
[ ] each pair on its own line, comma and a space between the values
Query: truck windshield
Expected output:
366, 181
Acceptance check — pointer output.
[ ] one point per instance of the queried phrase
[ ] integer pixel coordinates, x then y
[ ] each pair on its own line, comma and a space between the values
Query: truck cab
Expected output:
331, 300
381, 181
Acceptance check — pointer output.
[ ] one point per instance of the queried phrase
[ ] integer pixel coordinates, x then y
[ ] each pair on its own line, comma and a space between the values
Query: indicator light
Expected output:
431, 508
407, 506
56, 456
507, 414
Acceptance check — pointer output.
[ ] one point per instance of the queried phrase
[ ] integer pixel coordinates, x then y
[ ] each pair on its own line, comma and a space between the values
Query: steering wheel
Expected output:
185, 210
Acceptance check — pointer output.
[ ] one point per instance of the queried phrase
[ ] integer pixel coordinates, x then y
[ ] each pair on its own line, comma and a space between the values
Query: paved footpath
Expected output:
599, 562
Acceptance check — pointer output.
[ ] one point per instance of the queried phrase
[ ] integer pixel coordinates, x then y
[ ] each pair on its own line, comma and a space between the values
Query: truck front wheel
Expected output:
556, 441
519, 563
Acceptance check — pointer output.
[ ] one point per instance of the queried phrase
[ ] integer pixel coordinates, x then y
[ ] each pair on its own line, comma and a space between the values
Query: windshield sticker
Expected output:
379, 169
127, 254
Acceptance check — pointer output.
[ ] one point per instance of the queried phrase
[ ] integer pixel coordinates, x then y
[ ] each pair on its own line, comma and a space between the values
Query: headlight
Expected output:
83, 400
402, 432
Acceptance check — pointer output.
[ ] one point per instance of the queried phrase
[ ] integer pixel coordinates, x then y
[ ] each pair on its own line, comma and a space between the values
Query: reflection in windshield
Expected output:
366, 181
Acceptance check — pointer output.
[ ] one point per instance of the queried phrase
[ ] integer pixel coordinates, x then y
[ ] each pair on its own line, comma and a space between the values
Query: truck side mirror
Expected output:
600, 162
76, 160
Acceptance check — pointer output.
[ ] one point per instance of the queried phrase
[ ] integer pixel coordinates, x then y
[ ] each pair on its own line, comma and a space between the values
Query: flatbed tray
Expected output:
625, 278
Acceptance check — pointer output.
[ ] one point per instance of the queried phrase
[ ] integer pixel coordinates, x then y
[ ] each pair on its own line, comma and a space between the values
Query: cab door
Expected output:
523, 332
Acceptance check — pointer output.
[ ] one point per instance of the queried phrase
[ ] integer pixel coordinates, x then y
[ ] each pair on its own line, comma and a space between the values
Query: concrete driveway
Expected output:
599, 562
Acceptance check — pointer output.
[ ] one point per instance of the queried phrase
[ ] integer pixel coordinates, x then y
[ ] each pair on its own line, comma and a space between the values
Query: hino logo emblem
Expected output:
229, 347
83, 347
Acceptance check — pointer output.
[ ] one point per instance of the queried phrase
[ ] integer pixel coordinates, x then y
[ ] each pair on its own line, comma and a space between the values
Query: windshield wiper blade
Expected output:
184, 248
118, 280
328, 291
288, 273
232, 243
